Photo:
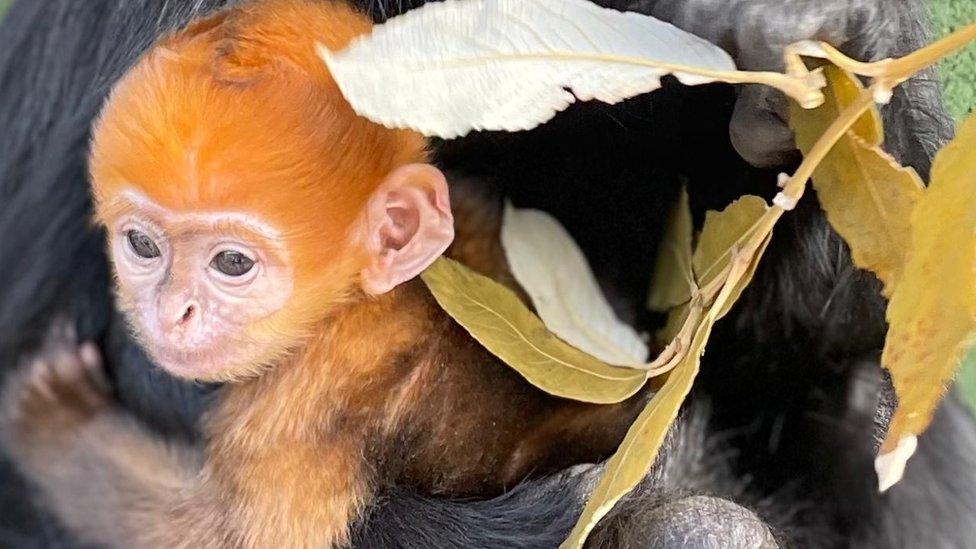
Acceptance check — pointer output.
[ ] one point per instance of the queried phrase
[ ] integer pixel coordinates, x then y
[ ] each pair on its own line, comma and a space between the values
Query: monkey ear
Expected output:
408, 224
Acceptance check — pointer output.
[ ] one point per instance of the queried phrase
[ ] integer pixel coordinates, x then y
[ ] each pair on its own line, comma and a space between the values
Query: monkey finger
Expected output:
38, 379
759, 129
91, 361
61, 333
75, 382
28, 392
61, 351
60, 344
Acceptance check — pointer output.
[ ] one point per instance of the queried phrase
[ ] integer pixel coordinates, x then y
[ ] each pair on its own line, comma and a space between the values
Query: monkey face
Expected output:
197, 285
247, 203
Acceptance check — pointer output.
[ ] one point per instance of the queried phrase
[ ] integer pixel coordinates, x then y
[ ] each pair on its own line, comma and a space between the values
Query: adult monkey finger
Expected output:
755, 32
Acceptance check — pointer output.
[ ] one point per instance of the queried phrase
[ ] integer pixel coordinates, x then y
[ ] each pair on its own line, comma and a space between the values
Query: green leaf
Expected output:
497, 319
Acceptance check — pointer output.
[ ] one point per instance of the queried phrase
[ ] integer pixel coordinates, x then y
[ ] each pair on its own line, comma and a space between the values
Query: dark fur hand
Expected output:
58, 390
755, 32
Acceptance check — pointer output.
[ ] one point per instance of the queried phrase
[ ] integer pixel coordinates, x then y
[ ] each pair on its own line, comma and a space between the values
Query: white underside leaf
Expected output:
551, 268
451, 67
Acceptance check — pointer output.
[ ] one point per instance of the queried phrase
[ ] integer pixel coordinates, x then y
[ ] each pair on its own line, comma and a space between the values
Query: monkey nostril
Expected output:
188, 314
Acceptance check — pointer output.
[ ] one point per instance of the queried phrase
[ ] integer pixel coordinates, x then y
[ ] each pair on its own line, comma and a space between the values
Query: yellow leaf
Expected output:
841, 90
742, 267
673, 282
932, 312
677, 317
497, 319
639, 449
867, 196
721, 234
738, 286
640, 446
886, 73
677, 335
741, 231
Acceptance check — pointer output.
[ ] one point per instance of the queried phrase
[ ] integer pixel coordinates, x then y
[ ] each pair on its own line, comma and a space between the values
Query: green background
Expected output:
958, 75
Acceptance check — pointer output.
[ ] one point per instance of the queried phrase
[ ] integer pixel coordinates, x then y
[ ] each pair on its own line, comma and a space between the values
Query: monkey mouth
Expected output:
198, 364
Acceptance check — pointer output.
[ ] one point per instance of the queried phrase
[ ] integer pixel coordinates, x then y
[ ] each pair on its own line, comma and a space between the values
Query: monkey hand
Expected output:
760, 31
55, 393
755, 33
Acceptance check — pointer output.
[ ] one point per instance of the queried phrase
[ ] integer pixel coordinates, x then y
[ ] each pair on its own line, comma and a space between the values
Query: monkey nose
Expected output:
183, 315
187, 314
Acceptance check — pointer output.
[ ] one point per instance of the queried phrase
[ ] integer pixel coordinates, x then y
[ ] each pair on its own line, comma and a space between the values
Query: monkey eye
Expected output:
232, 263
142, 245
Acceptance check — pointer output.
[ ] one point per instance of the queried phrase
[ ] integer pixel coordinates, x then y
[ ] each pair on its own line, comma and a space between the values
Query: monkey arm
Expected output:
116, 484
755, 32
100, 471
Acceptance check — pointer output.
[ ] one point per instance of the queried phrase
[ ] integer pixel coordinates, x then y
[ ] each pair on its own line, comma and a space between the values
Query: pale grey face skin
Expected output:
192, 283
197, 284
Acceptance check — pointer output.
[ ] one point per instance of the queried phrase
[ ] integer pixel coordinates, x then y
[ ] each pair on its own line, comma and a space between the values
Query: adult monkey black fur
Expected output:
791, 377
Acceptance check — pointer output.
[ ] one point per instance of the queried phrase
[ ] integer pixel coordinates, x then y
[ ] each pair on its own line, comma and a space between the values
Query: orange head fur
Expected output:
237, 114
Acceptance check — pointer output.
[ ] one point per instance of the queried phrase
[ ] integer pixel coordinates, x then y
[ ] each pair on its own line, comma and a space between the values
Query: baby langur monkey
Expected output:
265, 236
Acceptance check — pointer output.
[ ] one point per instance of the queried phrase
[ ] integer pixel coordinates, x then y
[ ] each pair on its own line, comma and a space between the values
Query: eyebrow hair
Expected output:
135, 198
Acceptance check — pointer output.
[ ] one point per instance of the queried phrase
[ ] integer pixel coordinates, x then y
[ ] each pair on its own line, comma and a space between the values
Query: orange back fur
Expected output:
237, 113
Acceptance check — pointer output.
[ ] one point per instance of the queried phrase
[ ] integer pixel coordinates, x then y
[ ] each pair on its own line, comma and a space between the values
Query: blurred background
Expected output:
958, 75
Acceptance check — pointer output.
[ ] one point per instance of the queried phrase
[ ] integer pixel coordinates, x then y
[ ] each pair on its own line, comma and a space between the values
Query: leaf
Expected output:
932, 311
673, 280
867, 196
632, 460
552, 270
676, 320
890, 466
497, 319
448, 68
725, 236
741, 269
639, 449
640, 446
676, 336
886, 73
721, 234
935, 276
841, 90
740, 233
742, 283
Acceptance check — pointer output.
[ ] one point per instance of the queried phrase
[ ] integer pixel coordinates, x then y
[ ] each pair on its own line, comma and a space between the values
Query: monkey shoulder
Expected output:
477, 426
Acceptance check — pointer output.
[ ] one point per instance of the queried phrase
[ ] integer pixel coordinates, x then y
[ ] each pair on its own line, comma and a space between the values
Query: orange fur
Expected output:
236, 113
